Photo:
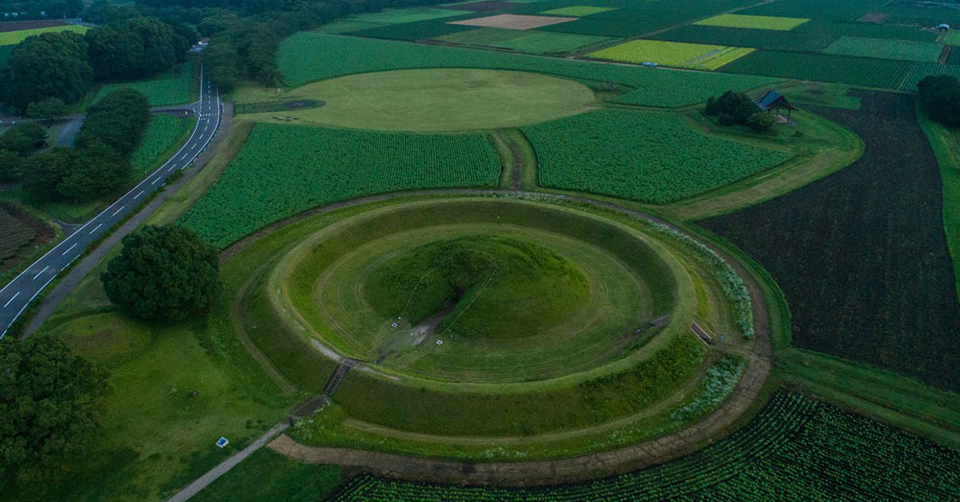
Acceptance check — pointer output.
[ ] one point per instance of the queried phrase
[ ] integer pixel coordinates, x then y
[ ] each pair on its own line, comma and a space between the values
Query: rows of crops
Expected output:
676, 54
163, 133
920, 70
420, 30
883, 73
306, 57
754, 22
816, 9
536, 42
283, 170
796, 449
644, 156
907, 50
167, 89
19, 231
861, 255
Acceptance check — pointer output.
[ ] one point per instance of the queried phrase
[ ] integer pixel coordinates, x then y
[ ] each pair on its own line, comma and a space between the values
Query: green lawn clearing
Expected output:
676, 54
15, 37
173, 88
753, 22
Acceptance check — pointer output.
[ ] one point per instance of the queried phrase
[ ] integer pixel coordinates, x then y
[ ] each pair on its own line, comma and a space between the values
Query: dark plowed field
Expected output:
19, 232
30, 25
861, 254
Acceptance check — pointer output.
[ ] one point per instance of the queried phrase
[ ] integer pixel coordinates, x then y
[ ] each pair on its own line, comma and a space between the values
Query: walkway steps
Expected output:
707, 339
342, 368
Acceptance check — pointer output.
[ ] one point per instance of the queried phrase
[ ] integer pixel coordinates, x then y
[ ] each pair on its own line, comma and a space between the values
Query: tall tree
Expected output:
49, 404
118, 120
24, 138
163, 273
49, 65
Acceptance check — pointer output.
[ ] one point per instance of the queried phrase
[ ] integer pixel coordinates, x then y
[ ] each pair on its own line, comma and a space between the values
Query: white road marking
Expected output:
155, 181
138, 195
12, 298
96, 228
118, 211
69, 248
41, 272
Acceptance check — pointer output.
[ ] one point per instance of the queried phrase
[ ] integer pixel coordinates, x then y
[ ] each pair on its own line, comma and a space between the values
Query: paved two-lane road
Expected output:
17, 295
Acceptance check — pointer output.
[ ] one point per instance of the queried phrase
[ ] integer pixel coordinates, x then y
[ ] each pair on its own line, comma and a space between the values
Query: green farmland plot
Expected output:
268, 180
754, 22
920, 70
677, 54
307, 57
644, 156
162, 135
882, 73
417, 30
906, 50
577, 11
536, 42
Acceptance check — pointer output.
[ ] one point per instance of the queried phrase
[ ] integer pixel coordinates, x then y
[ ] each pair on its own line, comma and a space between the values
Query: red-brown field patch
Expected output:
30, 25
515, 22
492, 6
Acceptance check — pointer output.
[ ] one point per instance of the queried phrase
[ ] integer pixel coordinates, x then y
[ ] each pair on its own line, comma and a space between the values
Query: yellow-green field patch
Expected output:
753, 22
577, 11
15, 37
676, 54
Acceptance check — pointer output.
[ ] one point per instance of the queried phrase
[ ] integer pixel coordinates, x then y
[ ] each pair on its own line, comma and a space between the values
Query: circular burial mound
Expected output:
435, 100
491, 318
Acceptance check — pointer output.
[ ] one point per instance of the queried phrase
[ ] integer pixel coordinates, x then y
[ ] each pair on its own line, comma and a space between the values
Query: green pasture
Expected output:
15, 37
269, 180
174, 88
308, 57
535, 42
753, 22
433, 100
905, 50
650, 157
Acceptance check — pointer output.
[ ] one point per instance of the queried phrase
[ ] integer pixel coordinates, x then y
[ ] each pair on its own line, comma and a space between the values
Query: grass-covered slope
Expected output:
306, 57
861, 255
645, 156
283, 170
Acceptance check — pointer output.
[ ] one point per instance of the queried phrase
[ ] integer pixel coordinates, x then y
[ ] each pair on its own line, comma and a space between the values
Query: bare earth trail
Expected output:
555, 471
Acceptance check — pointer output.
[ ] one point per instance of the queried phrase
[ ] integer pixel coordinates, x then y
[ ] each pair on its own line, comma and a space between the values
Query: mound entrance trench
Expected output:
566, 343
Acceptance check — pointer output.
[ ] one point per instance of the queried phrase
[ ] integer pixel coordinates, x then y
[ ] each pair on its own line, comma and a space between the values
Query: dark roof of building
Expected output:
773, 99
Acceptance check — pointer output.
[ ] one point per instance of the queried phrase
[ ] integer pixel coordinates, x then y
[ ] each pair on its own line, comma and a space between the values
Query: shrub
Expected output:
939, 98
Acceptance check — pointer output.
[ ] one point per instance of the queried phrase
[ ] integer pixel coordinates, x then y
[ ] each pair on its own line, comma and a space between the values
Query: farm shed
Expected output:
774, 101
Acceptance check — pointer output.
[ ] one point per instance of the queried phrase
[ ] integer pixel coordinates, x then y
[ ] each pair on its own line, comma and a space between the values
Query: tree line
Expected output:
46, 72
98, 165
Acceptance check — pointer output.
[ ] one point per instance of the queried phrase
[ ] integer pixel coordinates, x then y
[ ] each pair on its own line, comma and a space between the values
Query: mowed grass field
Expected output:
435, 100
907, 50
173, 88
644, 156
15, 37
676, 54
270, 179
753, 22
308, 57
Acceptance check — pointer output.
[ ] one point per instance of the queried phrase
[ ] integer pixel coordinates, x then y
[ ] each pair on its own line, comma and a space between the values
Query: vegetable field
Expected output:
796, 449
283, 170
644, 156
920, 70
906, 50
883, 73
168, 89
419, 30
536, 42
15, 37
677, 54
19, 232
754, 22
163, 134
861, 255
306, 57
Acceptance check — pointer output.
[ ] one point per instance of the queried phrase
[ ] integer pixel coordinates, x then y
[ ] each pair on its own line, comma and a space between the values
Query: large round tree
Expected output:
49, 403
163, 273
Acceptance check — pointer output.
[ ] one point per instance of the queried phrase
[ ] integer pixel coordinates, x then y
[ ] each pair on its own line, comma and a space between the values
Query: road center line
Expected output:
41, 272
118, 211
69, 248
96, 227
154, 182
138, 195
12, 298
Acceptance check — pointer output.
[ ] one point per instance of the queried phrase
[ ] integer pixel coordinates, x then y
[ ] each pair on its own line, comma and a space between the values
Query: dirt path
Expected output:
549, 471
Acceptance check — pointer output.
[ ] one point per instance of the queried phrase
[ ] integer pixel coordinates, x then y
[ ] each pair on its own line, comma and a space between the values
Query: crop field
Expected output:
882, 73
601, 26
307, 57
515, 21
817, 9
677, 54
535, 42
418, 30
30, 25
870, 285
906, 50
643, 156
920, 70
577, 11
15, 37
20, 231
168, 89
753, 22
269, 181
775, 456
162, 135
398, 16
